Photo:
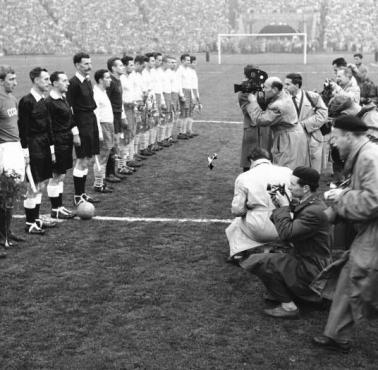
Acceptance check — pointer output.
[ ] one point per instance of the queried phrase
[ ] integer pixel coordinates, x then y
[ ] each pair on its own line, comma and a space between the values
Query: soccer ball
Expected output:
85, 210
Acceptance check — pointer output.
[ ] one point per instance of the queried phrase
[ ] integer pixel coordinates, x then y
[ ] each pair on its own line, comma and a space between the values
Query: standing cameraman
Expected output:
289, 147
253, 136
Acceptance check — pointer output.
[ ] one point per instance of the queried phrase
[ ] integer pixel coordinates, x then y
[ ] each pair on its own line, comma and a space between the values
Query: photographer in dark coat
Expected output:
253, 136
305, 228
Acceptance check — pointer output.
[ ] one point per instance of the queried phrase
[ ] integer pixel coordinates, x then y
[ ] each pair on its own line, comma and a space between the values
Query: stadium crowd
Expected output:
55, 27
283, 232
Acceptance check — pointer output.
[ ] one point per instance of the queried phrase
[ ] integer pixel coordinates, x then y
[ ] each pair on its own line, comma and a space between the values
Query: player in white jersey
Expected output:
195, 95
129, 104
167, 73
160, 101
140, 143
186, 100
148, 90
176, 88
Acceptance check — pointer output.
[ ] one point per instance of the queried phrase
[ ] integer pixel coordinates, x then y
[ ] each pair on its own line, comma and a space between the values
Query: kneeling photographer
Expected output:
305, 229
253, 136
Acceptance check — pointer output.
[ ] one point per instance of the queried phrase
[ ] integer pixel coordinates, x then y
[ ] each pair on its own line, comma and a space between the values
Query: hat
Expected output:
350, 123
307, 174
338, 104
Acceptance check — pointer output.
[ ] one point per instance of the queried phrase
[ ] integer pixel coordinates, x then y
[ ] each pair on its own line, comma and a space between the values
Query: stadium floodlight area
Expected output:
260, 43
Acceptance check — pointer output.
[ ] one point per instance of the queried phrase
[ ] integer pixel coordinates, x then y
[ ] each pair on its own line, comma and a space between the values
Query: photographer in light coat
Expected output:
312, 114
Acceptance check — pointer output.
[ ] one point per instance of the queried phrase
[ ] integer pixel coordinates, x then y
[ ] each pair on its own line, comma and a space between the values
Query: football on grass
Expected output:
85, 210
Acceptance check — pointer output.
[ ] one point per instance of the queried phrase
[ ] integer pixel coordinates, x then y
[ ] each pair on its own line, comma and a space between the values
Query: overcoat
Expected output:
289, 148
307, 230
252, 136
359, 204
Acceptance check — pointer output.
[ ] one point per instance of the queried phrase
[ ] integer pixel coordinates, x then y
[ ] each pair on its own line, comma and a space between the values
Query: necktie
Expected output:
296, 105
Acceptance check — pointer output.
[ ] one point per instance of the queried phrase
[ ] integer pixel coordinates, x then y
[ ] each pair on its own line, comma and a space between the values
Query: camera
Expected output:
274, 189
255, 82
327, 91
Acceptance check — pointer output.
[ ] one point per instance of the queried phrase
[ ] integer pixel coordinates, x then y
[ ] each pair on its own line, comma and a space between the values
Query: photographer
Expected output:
356, 290
312, 114
252, 136
252, 204
344, 84
289, 147
305, 228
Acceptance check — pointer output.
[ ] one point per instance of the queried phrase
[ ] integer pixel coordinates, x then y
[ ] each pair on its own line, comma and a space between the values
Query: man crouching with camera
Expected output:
304, 229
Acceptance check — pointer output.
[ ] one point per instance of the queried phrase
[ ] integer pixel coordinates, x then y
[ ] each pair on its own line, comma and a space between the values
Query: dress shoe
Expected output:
61, 214
33, 228
182, 137
328, 343
90, 199
16, 238
102, 189
45, 224
133, 164
280, 312
113, 179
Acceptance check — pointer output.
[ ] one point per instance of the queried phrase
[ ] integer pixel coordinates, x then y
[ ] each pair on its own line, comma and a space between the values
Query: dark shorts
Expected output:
117, 122
63, 152
88, 132
40, 157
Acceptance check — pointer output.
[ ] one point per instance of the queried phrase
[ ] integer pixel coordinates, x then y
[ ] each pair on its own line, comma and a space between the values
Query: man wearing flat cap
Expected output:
304, 228
356, 291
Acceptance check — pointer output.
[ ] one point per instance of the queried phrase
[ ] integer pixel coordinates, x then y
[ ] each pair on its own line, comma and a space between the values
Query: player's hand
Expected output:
53, 158
101, 137
124, 124
76, 140
252, 98
27, 160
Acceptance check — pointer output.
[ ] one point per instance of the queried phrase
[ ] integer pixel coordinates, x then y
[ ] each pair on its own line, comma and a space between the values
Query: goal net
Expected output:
260, 44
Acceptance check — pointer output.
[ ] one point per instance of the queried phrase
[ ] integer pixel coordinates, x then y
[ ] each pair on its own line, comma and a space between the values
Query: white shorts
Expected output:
12, 158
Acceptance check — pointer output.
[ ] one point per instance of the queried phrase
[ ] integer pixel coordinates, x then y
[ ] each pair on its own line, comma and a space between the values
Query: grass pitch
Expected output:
117, 295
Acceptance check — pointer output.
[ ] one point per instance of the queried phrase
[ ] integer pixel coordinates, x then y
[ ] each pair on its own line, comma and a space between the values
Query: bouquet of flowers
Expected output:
11, 190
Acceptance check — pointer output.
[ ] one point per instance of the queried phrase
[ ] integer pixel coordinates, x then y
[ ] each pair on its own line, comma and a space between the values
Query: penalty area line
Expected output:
156, 219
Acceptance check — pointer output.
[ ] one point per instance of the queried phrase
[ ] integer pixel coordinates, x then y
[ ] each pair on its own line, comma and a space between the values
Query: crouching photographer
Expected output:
253, 136
303, 227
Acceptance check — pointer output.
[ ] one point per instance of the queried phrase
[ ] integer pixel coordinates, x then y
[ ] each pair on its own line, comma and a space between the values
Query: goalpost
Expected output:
227, 35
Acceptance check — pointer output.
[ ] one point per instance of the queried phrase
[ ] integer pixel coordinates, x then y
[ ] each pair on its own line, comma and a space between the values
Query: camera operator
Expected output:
253, 136
289, 147
305, 228
344, 84
252, 204
356, 290
312, 114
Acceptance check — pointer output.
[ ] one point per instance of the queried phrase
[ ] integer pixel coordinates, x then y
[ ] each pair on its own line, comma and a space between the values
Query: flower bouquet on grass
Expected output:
12, 189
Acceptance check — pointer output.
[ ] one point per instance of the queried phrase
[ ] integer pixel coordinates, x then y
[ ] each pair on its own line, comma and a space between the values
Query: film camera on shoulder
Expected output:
254, 83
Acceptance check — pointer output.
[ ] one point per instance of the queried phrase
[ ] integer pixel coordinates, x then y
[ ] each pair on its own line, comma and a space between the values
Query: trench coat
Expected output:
289, 147
253, 136
312, 118
253, 206
359, 204
307, 229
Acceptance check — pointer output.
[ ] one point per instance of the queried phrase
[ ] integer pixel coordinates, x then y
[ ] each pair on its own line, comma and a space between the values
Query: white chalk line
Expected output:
154, 219
213, 121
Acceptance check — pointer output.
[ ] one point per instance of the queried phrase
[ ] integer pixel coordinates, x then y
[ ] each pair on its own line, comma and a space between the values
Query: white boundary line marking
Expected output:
212, 121
156, 219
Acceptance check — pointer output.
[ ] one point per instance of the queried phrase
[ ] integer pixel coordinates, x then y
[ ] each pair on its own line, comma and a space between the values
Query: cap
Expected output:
307, 174
350, 123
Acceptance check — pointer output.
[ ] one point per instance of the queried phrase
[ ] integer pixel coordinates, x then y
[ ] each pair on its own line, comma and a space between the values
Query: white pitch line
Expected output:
156, 219
212, 121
